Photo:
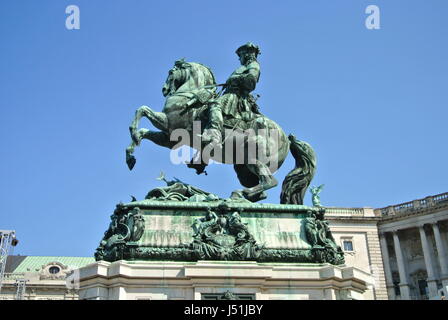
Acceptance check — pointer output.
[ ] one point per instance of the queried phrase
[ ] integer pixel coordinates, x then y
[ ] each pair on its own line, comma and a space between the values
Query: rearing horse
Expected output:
186, 83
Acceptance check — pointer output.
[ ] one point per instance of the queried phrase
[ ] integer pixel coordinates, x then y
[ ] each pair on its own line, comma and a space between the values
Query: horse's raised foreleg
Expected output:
158, 137
158, 119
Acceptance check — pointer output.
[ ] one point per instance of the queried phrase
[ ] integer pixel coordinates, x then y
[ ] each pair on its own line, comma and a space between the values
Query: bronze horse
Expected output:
187, 82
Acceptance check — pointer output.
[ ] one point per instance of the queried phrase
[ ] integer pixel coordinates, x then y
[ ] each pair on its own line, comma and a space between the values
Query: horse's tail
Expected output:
298, 179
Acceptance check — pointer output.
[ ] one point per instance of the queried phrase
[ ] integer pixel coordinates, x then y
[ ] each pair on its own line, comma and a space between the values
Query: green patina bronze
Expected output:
180, 222
184, 223
315, 191
191, 97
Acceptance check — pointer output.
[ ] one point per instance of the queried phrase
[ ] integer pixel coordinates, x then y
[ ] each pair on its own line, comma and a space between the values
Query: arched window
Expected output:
54, 270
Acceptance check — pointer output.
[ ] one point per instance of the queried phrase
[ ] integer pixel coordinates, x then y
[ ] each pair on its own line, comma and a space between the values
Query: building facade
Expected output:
45, 278
404, 246
356, 231
414, 237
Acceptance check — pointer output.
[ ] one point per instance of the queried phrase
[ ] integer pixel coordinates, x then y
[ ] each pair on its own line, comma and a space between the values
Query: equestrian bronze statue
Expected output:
224, 124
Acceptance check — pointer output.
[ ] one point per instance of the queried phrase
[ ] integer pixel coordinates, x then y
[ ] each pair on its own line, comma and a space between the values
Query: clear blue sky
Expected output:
373, 103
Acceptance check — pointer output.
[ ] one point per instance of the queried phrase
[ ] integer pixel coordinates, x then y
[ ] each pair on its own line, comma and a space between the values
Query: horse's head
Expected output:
176, 78
188, 75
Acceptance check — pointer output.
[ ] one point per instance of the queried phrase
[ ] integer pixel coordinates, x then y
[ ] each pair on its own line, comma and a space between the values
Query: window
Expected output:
397, 288
348, 245
54, 270
423, 288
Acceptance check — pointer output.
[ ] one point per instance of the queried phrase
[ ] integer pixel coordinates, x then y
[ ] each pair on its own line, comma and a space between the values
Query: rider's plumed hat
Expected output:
248, 47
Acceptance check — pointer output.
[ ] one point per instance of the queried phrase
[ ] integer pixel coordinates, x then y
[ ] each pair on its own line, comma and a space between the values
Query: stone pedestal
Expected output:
171, 246
218, 230
147, 280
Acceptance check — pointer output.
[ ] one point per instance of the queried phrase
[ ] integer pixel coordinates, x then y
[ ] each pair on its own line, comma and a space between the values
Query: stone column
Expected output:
405, 292
431, 280
387, 270
441, 252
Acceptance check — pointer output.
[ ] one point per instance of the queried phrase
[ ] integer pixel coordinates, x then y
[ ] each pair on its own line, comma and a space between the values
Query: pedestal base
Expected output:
228, 230
146, 280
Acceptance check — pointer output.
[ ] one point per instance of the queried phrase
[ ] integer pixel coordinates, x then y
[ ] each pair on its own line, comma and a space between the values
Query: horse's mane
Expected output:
209, 70
197, 67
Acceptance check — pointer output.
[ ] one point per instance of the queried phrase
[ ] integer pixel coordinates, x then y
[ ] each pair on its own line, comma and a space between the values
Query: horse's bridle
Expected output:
176, 77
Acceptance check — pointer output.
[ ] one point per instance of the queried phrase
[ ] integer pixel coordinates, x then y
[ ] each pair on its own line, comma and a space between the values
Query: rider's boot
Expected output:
212, 134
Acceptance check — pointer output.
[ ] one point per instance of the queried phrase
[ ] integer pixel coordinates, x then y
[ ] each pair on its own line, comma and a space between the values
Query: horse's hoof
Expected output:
130, 160
262, 196
237, 194
254, 196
